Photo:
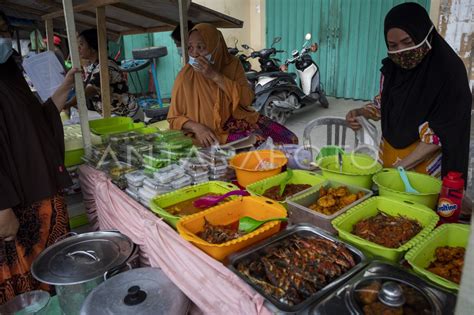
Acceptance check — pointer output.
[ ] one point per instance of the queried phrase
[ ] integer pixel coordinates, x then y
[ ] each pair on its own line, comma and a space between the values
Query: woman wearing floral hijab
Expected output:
211, 98
425, 101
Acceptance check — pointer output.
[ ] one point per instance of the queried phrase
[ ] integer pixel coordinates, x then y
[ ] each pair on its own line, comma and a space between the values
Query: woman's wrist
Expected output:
191, 126
363, 112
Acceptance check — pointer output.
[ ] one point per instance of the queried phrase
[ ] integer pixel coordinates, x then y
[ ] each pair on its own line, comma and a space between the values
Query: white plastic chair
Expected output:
337, 137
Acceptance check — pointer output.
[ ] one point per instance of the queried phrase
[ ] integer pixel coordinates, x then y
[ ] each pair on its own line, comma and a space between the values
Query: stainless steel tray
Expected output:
299, 212
302, 230
338, 302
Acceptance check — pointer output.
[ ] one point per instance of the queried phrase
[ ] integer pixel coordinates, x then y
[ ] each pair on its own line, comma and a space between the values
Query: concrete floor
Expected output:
337, 107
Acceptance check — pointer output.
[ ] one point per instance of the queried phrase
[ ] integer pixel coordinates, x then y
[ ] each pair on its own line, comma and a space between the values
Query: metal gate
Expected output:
349, 34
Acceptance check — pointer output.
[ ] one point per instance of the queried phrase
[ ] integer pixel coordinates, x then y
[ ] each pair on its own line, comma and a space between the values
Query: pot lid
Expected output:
138, 291
377, 295
82, 258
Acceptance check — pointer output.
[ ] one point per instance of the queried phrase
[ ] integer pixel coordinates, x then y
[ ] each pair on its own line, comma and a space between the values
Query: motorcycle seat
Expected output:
291, 75
251, 75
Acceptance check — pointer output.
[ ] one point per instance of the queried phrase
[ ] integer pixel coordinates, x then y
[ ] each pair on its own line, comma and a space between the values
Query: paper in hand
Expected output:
45, 72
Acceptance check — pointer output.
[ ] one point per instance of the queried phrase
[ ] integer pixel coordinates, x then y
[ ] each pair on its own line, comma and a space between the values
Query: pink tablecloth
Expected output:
207, 282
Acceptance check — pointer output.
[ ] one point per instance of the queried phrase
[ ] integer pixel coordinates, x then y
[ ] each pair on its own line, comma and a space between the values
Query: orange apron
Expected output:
389, 156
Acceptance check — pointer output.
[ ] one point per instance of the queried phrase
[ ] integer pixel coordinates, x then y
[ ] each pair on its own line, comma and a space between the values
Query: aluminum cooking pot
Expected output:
77, 264
32, 302
144, 291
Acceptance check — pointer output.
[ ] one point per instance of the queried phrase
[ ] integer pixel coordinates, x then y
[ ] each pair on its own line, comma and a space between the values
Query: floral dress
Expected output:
122, 103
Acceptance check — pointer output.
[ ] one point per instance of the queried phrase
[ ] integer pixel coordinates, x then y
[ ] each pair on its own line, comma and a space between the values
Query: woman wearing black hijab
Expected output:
425, 101
33, 213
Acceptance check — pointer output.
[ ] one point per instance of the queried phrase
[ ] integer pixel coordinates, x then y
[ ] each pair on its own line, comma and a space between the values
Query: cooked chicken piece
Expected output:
326, 201
347, 200
341, 191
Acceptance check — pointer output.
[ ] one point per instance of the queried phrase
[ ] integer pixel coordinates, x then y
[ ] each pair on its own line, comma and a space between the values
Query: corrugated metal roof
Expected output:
123, 16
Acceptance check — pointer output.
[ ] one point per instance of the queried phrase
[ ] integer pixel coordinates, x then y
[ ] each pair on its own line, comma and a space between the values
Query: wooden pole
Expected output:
183, 21
76, 63
18, 43
50, 34
36, 42
103, 62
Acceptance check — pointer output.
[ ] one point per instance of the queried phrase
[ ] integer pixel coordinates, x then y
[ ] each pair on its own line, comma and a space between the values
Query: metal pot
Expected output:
382, 286
32, 302
77, 264
139, 291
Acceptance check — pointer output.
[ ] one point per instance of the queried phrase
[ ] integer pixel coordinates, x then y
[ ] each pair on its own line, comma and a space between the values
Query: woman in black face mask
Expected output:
425, 100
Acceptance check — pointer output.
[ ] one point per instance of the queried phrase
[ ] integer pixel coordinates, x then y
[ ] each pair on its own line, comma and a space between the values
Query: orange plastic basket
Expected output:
246, 165
230, 212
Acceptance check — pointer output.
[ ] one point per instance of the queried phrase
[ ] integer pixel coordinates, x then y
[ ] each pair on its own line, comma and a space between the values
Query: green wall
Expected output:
349, 34
168, 66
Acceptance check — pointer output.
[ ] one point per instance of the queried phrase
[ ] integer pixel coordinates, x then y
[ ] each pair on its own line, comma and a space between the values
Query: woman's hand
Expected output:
351, 117
206, 69
69, 78
8, 225
59, 97
204, 135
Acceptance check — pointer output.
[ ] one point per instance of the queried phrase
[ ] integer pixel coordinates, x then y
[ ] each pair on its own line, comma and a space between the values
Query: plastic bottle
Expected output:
450, 199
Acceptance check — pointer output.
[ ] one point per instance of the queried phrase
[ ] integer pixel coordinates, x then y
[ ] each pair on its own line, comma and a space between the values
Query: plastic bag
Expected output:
267, 145
368, 137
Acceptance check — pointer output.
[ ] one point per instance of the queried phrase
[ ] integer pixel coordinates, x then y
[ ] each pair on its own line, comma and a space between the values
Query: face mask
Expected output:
409, 58
6, 49
193, 62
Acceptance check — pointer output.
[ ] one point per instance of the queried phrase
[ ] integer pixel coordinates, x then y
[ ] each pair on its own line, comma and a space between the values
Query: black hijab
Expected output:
435, 91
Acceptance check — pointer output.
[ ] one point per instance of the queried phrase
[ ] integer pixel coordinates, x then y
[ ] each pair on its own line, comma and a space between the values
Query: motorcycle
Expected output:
277, 93
234, 51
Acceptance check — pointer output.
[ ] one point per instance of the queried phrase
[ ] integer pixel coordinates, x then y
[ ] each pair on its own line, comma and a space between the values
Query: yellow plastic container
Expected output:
246, 165
230, 212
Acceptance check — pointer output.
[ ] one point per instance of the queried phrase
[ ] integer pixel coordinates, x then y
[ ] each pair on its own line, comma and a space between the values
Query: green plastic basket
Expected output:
159, 203
74, 146
107, 126
391, 185
369, 208
329, 150
420, 256
299, 177
73, 157
357, 169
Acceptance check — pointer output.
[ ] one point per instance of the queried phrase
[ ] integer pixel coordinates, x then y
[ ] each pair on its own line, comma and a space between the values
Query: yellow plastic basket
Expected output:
230, 212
